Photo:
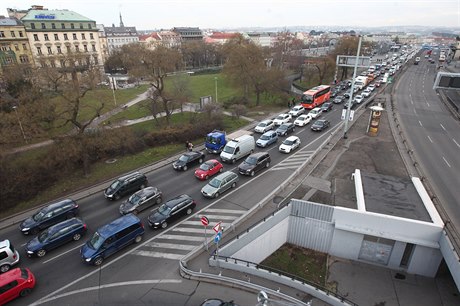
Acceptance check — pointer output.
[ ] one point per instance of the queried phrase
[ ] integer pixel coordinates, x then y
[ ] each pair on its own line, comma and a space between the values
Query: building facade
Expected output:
55, 34
168, 39
188, 33
119, 36
14, 44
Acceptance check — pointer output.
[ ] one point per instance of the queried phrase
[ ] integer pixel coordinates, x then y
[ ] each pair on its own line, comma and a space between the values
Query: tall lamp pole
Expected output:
215, 82
20, 124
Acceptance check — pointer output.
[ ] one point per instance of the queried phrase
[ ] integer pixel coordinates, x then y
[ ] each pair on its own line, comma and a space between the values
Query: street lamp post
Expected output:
215, 82
20, 124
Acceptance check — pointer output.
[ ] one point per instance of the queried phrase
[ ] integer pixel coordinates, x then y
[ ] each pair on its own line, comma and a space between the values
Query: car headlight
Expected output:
156, 223
88, 259
30, 252
25, 229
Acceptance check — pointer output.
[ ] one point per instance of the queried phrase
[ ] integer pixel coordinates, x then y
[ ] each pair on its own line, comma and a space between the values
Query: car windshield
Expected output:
283, 127
215, 183
43, 235
96, 241
38, 216
251, 160
288, 142
164, 210
184, 158
280, 117
205, 167
134, 199
307, 99
262, 124
229, 150
115, 184
264, 137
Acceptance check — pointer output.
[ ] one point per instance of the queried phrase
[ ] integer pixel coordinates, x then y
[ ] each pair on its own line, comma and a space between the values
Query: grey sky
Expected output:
155, 14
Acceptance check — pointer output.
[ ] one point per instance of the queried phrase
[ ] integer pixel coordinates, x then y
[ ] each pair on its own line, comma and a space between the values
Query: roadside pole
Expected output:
205, 222
347, 115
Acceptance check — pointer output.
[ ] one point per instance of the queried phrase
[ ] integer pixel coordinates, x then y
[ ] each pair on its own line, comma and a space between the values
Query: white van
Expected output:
238, 148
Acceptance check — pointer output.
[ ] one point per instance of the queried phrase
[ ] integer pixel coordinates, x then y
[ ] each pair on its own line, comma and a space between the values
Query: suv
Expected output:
254, 162
141, 200
15, 283
264, 126
125, 185
285, 129
297, 111
8, 256
49, 215
171, 210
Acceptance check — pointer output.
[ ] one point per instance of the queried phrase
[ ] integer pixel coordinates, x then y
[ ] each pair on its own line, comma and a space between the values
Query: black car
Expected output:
125, 185
141, 200
320, 125
285, 128
353, 104
55, 236
49, 215
254, 163
347, 94
326, 106
171, 210
339, 99
188, 159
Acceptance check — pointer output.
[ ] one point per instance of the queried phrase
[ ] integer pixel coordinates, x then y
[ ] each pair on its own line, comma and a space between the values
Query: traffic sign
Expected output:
216, 227
204, 221
218, 237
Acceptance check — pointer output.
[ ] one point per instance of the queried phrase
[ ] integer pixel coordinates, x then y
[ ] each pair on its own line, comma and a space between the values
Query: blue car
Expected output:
55, 236
267, 139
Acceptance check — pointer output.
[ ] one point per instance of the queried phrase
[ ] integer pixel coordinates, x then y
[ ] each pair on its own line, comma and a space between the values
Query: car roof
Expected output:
4, 243
258, 154
130, 175
179, 199
292, 138
64, 224
269, 132
57, 205
117, 224
9, 276
225, 174
147, 191
266, 121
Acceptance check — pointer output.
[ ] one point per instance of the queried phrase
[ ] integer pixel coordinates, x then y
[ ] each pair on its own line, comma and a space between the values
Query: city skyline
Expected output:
220, 14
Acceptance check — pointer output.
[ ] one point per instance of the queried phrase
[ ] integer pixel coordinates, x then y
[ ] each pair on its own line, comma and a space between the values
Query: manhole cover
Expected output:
111, 161
277, 199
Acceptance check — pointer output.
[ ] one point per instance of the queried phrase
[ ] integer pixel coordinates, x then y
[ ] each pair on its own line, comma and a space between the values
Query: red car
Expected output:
14, 283
208, 169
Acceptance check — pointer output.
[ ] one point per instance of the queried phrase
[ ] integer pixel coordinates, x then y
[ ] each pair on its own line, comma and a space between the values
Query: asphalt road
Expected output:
156, 259
433, 133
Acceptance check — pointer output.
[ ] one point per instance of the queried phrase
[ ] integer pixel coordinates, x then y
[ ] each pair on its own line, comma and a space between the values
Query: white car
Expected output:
283, 118
297, 111
315, 113
289, 144
371, 87
302, 120
358, 99
366, 93
263, 126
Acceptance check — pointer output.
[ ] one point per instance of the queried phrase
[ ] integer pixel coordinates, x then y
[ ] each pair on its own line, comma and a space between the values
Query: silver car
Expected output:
220, 184
8, 256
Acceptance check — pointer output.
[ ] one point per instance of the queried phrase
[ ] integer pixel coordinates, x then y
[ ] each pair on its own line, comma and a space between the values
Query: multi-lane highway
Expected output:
432, 132
61, 271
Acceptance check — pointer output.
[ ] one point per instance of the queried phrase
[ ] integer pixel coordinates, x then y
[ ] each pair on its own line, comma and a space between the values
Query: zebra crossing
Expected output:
180, 240
295, 161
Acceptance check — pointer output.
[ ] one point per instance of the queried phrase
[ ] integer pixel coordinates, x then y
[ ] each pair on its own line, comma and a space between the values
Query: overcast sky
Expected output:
165, 14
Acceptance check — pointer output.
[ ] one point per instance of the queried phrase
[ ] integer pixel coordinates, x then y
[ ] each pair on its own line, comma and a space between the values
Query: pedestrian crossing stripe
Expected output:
230, 211
159, 254
179, 237
162, 245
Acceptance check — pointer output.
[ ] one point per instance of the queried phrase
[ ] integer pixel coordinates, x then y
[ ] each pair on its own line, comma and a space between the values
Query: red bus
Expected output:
316, 96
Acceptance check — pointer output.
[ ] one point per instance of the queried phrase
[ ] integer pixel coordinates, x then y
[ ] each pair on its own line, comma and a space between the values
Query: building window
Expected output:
91, 36
83, 36
77, 48
72, 26
85, 47
21, 34
2, 34
24, 46
96, 61
49, 50
74, 35
56, 36
16, 47
62, 63
93, 47
53, 63
32, 25
81, 25
68, 49
53, 26
13, 34
35, 37
59, 51
23, 59
39, 50
62, 25
89, 25
46, 37
88, 61
66, 37
43, 26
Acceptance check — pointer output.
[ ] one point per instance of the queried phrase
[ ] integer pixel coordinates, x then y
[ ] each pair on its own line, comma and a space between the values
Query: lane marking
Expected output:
445, 160
236, 211
159, 254
57, 256
429, 138
442, 127
420, 123
163, 245
180, 237
458, 145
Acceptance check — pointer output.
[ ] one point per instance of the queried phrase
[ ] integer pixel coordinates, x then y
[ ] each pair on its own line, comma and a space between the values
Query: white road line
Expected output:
283, 168
445, 160
95, 288
57, 256
223, 217
180, 237
234, 211
411, 102
159, 254
428, 104
429, 138
289, 163
458, 145
185, 247
442, 127
420, 123
415, 112
187, 230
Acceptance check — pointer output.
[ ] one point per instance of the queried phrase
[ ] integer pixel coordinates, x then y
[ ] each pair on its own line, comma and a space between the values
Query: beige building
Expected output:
14, 45
53, 34
167, 39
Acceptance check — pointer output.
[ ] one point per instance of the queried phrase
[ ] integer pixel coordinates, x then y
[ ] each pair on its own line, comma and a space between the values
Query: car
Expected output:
431, 60
9, 256
141, 200
371, 87
302, 120
297, 111
171, 210
289, 144
208, 169
378, 83
366, 93
338, 100
263, 126
254, 163
267, 139
285, 129
315, 113
15, 283
353, 104
347, 94
358, 99
283, 118
125, 185
188, 159
55, 236
320, 125
48, 216
326, 106
220, 184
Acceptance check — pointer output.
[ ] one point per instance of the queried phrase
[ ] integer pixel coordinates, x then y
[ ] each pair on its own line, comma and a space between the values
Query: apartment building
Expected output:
14, 44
